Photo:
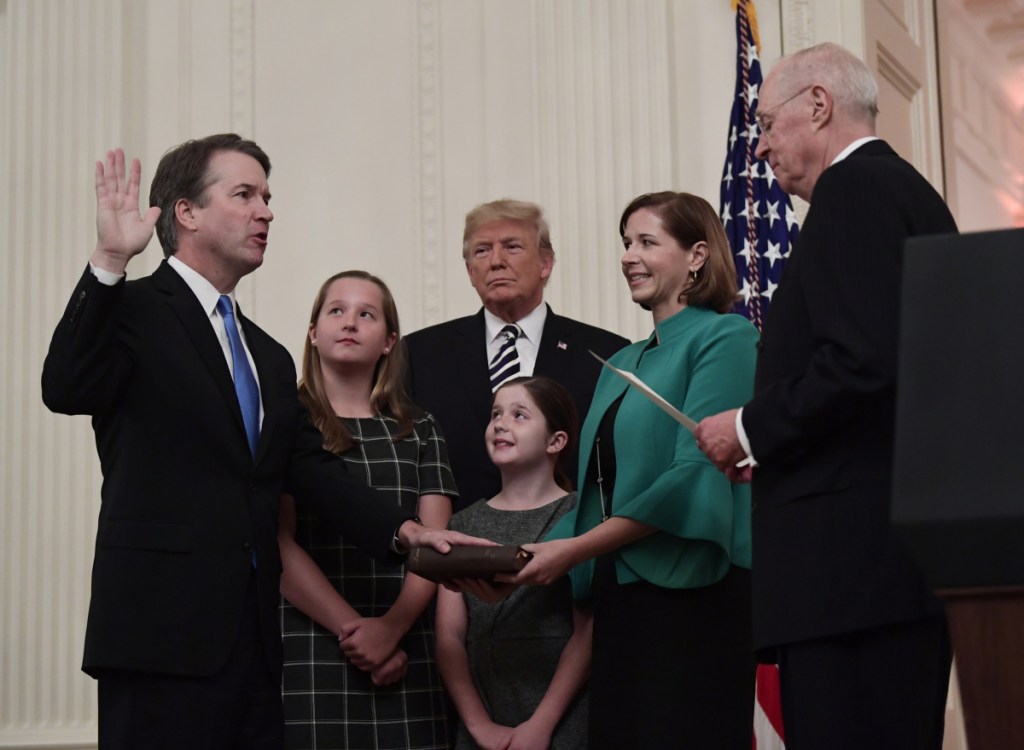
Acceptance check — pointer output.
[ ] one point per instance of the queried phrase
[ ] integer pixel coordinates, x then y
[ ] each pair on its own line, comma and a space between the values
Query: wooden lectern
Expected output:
958, 484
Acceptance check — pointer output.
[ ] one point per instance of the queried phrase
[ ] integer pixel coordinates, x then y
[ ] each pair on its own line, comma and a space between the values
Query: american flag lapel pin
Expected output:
563, 346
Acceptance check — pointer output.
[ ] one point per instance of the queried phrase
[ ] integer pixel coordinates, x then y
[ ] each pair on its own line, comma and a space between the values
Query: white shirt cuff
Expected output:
107, 278
741, 435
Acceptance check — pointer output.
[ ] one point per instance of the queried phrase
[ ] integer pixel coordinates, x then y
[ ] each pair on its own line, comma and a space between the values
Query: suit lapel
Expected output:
470, 359
556, 348
196, 323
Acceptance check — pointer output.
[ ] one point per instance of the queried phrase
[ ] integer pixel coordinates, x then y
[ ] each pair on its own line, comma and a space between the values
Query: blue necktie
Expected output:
505, 364
245, 382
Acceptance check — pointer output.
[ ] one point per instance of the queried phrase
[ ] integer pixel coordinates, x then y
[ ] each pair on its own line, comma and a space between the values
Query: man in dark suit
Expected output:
507, 248
199, 431
861, 642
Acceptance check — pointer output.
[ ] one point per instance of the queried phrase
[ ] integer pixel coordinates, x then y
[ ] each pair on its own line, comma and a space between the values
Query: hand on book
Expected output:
551, 560
412, 534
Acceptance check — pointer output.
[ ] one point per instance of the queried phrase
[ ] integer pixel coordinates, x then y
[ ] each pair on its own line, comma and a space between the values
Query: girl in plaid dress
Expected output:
359, 670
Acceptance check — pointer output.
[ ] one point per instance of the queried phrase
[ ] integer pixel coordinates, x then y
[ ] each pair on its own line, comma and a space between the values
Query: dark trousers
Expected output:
883, 689
239, 708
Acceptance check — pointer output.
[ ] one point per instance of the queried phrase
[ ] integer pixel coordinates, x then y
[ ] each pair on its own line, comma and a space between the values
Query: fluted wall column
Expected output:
63, 78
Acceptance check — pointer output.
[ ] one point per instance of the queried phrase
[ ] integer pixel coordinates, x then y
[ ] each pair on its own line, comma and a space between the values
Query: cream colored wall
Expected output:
983, 119
386, 120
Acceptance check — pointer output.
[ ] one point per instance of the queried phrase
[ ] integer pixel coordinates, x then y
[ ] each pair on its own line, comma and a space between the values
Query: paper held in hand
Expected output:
645, 389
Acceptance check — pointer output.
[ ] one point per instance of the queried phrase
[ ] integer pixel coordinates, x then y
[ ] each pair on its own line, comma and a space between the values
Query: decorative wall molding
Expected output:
242, 67
797, 26
984, 130
63, 78
427, 129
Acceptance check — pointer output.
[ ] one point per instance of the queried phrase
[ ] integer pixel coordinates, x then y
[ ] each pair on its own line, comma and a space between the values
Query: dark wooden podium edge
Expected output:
986, 625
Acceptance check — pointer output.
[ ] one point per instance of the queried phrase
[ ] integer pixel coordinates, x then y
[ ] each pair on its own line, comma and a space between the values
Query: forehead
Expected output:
643, 220
513, 395
354, 290
504, 229
236, 168
767, 95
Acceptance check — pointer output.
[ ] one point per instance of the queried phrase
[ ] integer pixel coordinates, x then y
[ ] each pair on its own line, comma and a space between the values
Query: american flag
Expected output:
758, 218
756, 213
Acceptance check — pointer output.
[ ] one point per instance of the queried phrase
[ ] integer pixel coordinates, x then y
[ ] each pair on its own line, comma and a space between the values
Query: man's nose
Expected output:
498, 258
264, 213
762, 147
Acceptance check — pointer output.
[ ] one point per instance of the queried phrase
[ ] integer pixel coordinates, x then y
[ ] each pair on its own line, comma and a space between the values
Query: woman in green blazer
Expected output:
659, 544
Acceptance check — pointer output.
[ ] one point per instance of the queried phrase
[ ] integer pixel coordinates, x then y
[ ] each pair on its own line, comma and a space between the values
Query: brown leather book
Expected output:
467, 562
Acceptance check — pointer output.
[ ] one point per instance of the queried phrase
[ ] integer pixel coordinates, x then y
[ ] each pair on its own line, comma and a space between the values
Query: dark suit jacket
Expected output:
448, 378
821, 420
184, 502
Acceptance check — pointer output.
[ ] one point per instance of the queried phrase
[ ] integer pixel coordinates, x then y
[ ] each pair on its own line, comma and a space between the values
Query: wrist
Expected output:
397, 544
108, 262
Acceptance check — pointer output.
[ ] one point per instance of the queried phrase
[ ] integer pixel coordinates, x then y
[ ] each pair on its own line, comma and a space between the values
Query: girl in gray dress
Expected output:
516, 668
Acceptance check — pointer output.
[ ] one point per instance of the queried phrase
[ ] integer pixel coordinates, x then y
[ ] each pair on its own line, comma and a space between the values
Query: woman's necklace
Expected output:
605, 510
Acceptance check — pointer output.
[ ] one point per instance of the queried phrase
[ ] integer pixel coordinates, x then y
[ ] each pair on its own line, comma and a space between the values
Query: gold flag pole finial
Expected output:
751, 19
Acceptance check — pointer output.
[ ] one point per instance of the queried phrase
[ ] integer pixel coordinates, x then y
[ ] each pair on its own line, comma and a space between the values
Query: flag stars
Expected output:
727, 178
749, 211
749, 252
732, 138
726, 215
772, 286
773, 253
752, 55
773, 214
747, 291
769, 174
751, 93
790, 219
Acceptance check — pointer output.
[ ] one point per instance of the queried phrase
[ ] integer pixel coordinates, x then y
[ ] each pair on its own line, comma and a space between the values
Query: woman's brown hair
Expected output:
690, 219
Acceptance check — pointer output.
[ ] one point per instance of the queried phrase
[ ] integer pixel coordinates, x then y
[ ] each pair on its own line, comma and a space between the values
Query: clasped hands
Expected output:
371, 644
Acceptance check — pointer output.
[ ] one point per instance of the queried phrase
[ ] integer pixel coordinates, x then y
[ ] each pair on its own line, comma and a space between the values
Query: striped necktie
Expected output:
505, 364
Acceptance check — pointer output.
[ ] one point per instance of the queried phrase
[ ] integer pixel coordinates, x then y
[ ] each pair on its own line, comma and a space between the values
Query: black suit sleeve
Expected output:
84, 368
321, 480
847, 278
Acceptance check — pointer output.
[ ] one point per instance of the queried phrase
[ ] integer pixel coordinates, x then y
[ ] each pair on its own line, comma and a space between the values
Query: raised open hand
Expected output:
121, 231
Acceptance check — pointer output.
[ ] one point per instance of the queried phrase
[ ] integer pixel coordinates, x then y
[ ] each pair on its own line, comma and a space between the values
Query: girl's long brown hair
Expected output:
388, 396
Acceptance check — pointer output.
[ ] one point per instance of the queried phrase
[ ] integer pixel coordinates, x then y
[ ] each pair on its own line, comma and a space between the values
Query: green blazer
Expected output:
703, 364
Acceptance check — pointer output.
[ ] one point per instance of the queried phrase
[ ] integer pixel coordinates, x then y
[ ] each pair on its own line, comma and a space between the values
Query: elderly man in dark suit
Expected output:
861, 642
198, 430
454, 367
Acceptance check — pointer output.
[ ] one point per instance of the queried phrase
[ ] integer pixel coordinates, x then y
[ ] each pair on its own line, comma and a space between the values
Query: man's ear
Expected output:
547, 264
821, 99
184, 213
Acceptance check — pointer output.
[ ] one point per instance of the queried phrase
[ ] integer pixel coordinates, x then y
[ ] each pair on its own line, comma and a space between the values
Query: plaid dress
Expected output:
329, 703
